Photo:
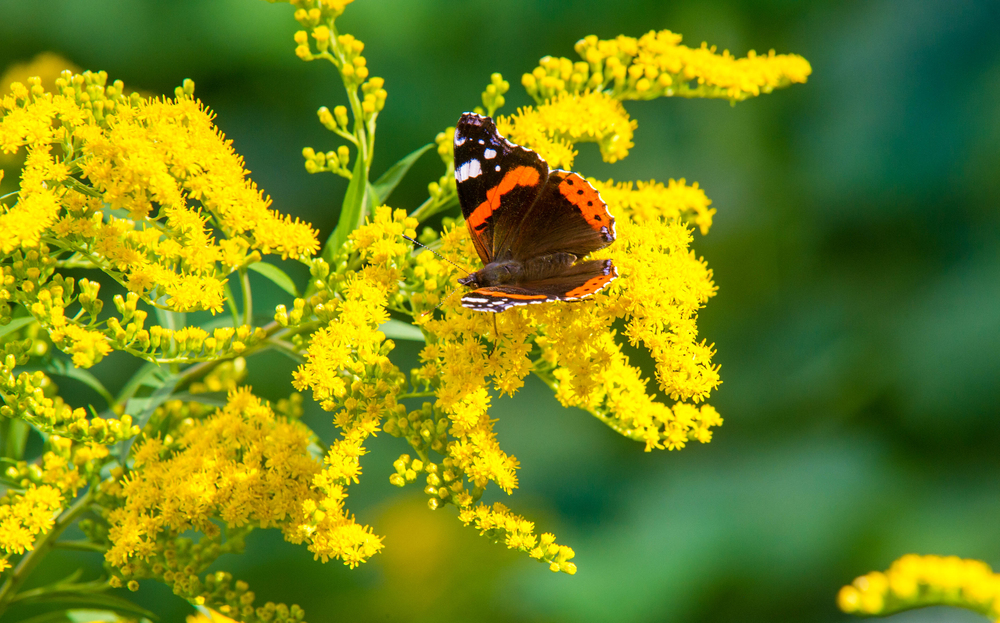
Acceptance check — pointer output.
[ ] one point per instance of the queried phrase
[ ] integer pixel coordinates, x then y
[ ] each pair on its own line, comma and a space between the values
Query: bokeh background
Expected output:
857, 323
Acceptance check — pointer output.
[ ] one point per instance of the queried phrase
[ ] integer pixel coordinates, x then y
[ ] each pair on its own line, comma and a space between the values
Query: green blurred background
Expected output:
857, 322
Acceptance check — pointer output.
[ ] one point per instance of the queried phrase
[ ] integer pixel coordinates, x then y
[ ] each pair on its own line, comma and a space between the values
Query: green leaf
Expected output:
276, 275
231, 303
172, 320
16, 324
150, 374
75, 616
63, 367
212, 399
107, 603
401, 330
391, 178
352, 211
13, 438
142, 408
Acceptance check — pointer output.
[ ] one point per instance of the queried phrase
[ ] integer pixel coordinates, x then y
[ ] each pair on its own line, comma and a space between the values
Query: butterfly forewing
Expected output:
498, 182
568, 216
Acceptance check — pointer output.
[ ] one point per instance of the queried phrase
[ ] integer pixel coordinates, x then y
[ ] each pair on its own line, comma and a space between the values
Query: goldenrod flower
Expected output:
657, 64
242, 466
148, 191
554, 127
25, 515
915, 581
161, 161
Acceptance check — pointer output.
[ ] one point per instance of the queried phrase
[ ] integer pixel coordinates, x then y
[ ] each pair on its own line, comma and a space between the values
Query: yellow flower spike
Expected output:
657, 65
552, 128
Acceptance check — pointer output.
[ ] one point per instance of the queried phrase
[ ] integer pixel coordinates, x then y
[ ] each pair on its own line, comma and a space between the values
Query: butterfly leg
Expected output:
496, 336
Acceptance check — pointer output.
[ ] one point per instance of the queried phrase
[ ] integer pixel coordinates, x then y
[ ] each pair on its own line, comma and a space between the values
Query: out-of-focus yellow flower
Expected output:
46, 65
657, 65
915, 581
25, 515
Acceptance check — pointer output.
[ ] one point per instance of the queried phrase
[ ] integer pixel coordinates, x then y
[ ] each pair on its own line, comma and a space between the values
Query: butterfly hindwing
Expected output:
579, 281
498, 182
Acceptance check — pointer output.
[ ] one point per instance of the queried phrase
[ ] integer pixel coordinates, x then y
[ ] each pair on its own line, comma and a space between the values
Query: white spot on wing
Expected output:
489, 154
498, 167
459, 141
467, 170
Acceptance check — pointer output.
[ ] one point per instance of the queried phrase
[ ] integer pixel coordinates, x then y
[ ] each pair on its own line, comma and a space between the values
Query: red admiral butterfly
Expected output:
529, 225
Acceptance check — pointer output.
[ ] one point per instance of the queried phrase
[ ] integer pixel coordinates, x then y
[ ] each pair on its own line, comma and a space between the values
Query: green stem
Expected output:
80, 546
247, 298
432, 206
30, 560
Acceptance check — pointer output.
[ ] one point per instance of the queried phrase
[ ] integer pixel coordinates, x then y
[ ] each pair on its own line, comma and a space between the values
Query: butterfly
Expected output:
530, 225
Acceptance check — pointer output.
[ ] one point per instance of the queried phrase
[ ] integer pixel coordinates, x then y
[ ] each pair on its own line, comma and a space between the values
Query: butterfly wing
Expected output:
577, 282
568, 216
498, 183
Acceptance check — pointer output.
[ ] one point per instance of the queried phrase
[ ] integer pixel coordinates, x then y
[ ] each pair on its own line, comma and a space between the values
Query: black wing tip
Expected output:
475, 119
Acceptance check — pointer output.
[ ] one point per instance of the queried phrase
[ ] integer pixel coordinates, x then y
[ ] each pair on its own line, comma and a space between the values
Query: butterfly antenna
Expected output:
437, 254
450, 292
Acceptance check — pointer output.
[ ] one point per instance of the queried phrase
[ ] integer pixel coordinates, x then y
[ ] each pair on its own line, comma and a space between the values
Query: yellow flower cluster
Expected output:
661, 287
552, 128
348, 370
149, 192
26, 397
320, 40
657, 65
142, 189
23, 515
498, 523
914, 581
242, 465
647, 201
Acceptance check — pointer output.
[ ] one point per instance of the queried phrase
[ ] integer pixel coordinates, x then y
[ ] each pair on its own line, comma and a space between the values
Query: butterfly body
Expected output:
529, 225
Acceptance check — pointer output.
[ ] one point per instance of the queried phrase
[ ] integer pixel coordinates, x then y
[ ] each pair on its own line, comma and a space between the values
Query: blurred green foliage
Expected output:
856, 250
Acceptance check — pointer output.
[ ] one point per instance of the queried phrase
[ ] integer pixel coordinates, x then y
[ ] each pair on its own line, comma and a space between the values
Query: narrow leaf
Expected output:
99, 600
170, 319
401, 330
62, 367
212, 399
276, 275
352, 211
16, 324
142, 408
75, 616
391, 178
149, 374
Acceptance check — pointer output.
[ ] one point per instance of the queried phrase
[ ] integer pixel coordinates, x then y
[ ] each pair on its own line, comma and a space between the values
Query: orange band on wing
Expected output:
521, 176
591, 286
509, 295
581, 194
